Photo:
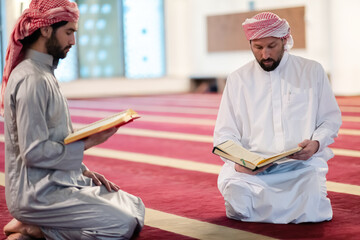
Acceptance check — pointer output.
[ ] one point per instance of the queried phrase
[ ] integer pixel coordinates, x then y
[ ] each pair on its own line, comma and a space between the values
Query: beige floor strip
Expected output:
194, 228
138, 107
346, 152
350, 119
146, 118
183, 102
349, 102
166, 119
353, 132
167, 135
185, 136
197, 166
194, 166
160, 134
349, 109
174, 109
92, 113
155, 160
2, 179
343, 188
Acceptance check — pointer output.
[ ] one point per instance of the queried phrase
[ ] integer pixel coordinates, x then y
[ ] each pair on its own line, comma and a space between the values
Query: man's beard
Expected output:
269, 68
53, 48
274, 64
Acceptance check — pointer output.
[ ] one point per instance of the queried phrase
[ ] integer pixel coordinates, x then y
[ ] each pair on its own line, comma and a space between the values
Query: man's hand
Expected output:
310, 147
101, 180
242, 169
99, 138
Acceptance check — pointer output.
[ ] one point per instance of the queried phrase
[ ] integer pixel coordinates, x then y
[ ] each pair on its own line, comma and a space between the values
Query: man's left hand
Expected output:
310, 147
100, 179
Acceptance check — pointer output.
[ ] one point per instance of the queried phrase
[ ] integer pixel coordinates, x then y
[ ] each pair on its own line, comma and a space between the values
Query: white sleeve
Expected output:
328, 116
227, 127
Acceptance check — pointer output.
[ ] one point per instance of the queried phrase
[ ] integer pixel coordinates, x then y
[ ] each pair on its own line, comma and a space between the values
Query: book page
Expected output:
115, 120
105, 122
241, 161
279, 156
234, 149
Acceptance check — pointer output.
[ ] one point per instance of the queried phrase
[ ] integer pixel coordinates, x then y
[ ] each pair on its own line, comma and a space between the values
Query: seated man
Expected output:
270, 105
49, 191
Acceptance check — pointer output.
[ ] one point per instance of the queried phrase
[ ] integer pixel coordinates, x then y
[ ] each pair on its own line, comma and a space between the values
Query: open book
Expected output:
115, 120
236, 153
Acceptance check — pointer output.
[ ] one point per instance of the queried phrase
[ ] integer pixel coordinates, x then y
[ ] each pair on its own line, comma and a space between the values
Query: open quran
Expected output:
115, 120
236, 153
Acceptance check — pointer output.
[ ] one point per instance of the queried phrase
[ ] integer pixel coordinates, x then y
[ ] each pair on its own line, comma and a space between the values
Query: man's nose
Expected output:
72, 40
265, 53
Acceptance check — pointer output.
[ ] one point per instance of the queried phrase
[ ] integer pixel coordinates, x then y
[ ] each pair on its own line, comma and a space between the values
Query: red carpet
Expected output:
194, 194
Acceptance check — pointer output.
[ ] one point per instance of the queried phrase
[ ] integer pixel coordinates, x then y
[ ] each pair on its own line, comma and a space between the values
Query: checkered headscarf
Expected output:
267, 24
41, 13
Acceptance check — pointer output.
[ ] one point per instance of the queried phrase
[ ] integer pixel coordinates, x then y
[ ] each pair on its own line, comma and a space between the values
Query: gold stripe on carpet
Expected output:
189, 227
160, 134
150, 107
155, 118
353, 132
195, 228
191, 165
161, 119
155, 160
343, 188
2, 179
169, 109
101, 114
146, 118
186, 120
186, 136
350, 109
165, 134
196, 166
350, 119
349, 101
346, 152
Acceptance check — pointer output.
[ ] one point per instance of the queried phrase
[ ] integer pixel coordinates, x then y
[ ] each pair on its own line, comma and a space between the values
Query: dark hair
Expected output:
29, 40
55, 26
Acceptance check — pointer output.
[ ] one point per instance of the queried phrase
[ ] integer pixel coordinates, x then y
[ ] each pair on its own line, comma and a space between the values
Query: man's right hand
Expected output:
242, 169
99, 138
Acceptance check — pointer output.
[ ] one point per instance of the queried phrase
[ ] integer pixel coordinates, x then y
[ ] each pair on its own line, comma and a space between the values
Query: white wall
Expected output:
222, 63
328, 38
178, 54
345, 50
13, 11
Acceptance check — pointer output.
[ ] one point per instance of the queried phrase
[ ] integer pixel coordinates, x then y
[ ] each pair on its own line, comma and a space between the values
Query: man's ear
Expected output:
284, 40
46, 31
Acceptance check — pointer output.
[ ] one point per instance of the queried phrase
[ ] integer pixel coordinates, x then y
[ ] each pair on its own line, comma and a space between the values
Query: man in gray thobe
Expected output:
49, 191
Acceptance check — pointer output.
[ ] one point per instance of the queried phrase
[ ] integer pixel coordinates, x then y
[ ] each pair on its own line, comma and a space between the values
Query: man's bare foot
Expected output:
18, 236
15, 226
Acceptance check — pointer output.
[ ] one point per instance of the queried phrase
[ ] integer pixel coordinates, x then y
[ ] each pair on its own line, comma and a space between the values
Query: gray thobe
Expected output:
43, 177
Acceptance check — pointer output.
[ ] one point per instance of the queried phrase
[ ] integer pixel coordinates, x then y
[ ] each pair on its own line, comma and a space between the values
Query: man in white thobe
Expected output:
272, 104
49, 191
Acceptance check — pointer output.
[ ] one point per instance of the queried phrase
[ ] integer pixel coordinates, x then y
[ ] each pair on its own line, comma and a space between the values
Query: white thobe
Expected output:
270, 112
43, 177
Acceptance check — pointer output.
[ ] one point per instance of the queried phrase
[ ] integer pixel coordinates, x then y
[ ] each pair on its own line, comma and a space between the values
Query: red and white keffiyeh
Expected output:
267, 24
41, 13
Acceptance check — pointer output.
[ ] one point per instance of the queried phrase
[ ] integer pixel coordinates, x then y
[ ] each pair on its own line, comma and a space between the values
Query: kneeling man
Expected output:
274, 103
